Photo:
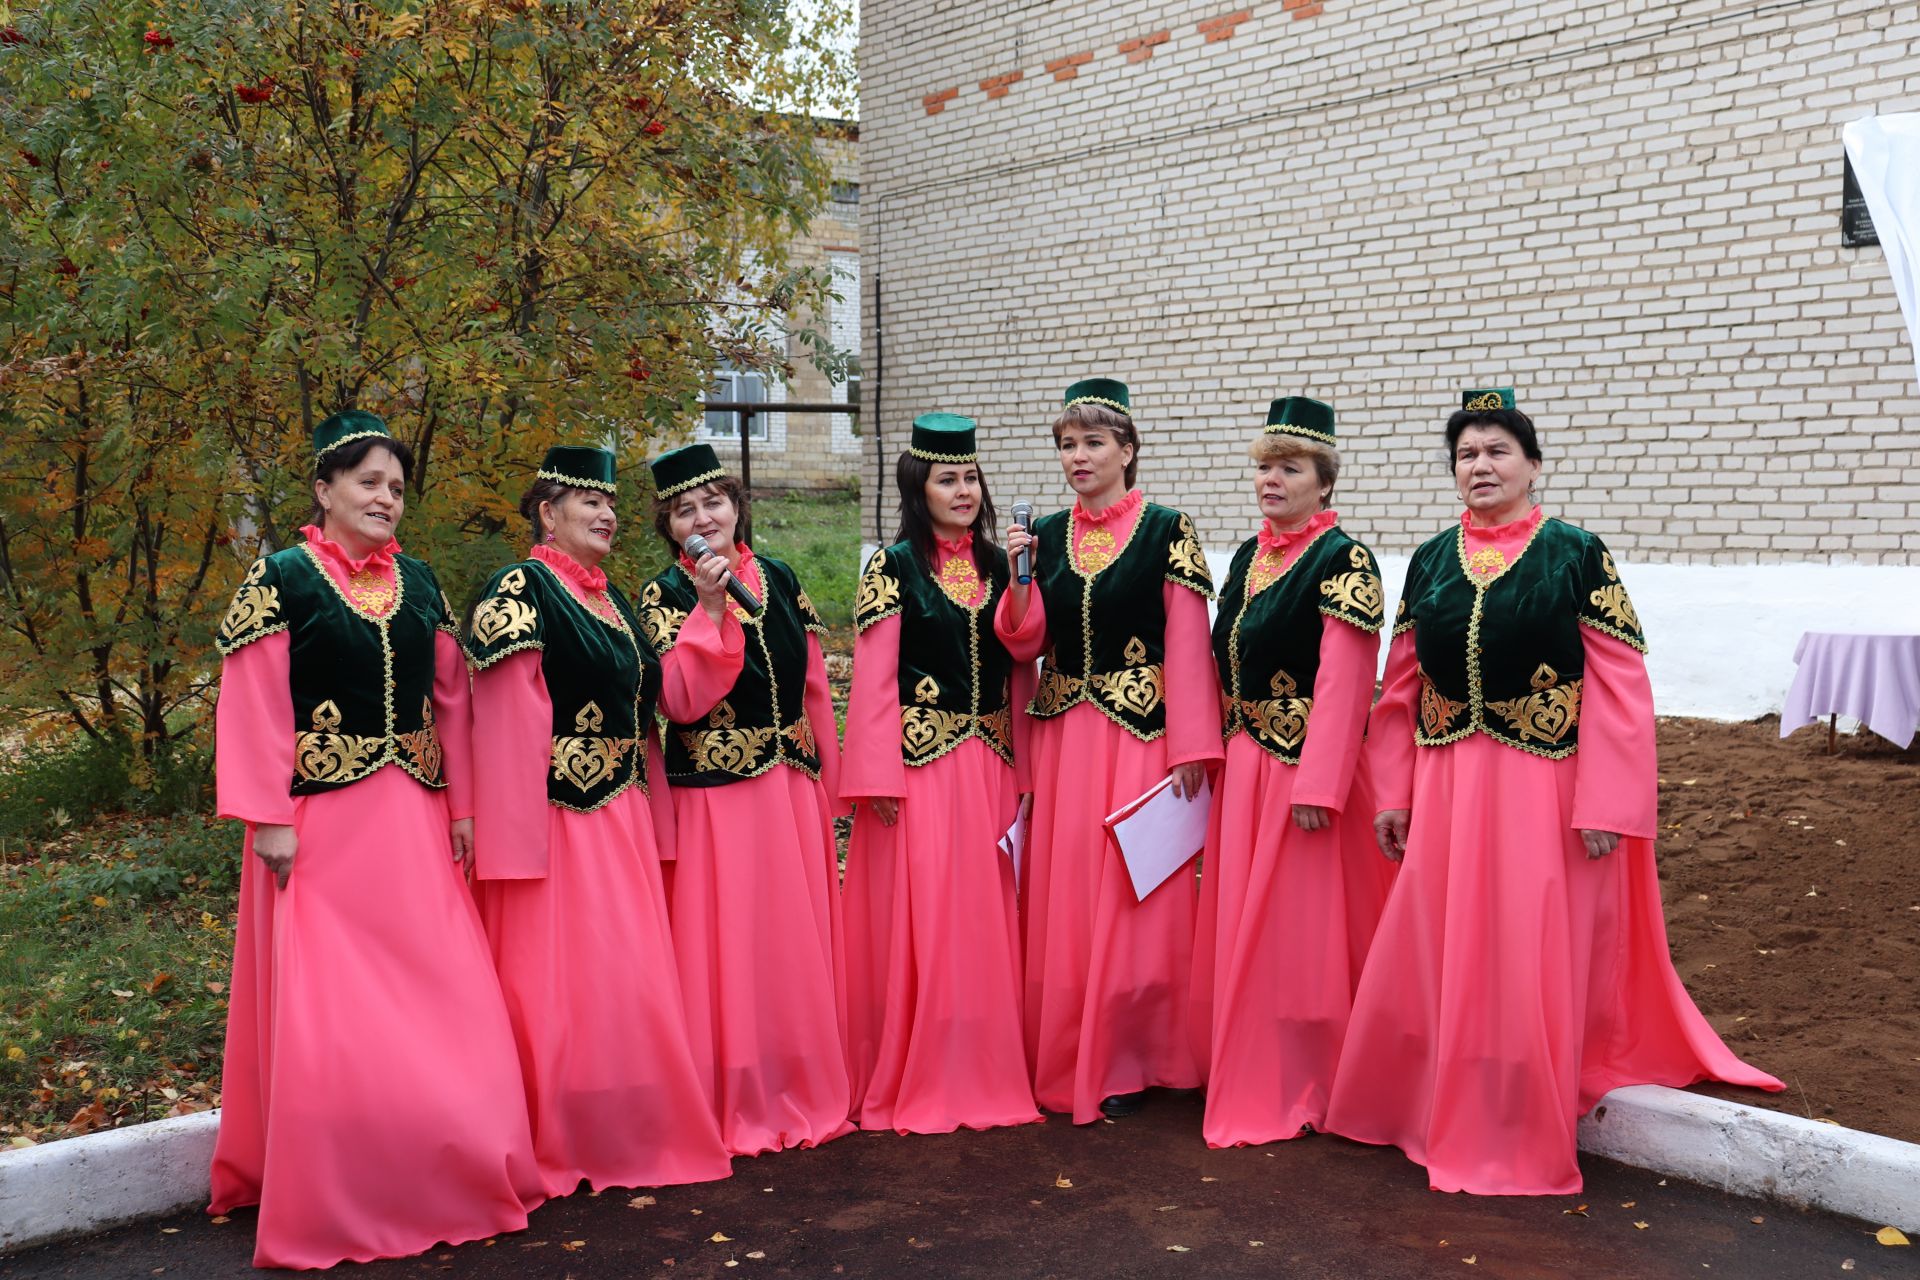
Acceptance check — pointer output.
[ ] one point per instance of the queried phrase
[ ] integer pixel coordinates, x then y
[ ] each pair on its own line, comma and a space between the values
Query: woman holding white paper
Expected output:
1127, 695
934, 1037
1292, 886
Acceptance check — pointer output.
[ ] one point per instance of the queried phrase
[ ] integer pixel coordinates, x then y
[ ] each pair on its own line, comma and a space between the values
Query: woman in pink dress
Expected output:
566, 866
1291, 886
933, 943
1520, 970
752, 759
371, 1099
1127, 695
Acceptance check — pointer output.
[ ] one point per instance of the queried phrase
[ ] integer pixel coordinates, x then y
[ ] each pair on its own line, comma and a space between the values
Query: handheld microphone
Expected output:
1023, 563
698, 550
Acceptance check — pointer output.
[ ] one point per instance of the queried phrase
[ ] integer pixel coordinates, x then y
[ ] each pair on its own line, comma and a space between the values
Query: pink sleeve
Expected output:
826, 730
1342, 692
1193, 684
702, 665
1390, 748
1029, 640
870, 763
453, 716
666, 831
1616, 784
513, 727
253, 734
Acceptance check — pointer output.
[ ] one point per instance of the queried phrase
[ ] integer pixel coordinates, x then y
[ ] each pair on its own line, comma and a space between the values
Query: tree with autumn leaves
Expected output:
497, 223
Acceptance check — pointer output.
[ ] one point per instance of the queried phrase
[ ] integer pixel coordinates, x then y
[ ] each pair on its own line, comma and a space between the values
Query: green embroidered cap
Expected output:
1487, 398
688, 467
345, 427
1110, 392
1300, 416
582, 466
944, 437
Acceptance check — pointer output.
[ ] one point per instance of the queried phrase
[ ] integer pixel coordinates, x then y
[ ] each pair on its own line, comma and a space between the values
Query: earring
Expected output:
549, 535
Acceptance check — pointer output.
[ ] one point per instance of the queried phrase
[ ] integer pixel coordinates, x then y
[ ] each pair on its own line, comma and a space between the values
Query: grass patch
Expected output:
115, 947
819, 535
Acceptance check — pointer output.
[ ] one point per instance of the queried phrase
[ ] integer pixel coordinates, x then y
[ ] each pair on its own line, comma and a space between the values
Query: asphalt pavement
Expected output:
1139, 1197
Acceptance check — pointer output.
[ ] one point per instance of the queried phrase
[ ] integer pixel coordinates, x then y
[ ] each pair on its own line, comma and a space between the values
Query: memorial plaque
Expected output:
1856, 224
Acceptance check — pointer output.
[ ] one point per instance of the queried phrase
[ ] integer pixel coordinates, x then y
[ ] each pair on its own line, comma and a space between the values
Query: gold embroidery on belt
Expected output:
324, 756
1548, 714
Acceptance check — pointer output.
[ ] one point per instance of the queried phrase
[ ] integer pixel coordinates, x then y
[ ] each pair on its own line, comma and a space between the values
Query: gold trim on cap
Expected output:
349, 439
577, 481
693, 483
1111, 404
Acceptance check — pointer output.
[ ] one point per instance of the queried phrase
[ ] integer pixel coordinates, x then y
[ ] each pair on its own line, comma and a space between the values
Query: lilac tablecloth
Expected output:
1872, 679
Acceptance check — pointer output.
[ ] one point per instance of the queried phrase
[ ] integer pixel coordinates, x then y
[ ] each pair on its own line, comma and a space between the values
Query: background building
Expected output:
1628, 211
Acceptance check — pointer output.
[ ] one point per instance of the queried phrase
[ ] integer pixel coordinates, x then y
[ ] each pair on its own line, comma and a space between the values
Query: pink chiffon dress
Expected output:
371, 1102
1513, 980
1107, 975
567, 875
933, 940
755, 887
1286, 915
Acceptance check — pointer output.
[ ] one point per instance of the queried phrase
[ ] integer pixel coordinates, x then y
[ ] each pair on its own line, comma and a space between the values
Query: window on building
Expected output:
740, 387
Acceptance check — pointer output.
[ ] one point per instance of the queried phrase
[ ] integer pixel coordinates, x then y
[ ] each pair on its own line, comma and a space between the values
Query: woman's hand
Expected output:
1019, 540
1600, 843
885, 808
1311, 817
1390, 831
710, 580
462, 833
275, 846
1187, 779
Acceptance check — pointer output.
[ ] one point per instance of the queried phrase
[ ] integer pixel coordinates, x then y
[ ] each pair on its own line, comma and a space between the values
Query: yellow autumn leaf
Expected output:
1471, 1258
718, 1238
1891, 1235
757, 1253
1178, 1248
641, 1202
573, 1246
15, 1053
1063, 1181
1639, 1226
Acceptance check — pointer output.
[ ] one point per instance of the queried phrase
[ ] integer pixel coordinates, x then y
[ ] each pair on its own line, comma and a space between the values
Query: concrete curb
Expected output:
84, 1185
1754, 1152
79, 1186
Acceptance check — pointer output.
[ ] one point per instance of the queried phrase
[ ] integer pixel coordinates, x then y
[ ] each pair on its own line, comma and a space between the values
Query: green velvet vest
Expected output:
1501, 654
1267, 645
602, 680
1108, 623
362, 686
762, 721
954, 672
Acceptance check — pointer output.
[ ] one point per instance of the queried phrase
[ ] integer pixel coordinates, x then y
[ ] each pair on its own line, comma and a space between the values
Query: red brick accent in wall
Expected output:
935, 103
997, 86
1068, 67
1303, 8
1141, 48
1221, 28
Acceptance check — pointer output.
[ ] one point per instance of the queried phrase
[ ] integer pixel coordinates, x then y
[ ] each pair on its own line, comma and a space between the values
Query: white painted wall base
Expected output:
80, 1186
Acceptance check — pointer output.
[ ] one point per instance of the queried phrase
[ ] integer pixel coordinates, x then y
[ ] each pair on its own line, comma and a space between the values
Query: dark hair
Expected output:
544, 490
735, 492
349, 456
1099, 417
916, 520
1512, 421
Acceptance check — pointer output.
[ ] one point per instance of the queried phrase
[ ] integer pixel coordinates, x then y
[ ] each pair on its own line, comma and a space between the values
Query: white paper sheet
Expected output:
1159, 833
1014, 843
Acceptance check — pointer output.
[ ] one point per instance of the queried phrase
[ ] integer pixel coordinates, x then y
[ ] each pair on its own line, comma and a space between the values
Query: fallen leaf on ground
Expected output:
1628, 1204
1255, 1244
1063, 1181
1847, 1265
1209, 1179
1166, 1208
219, 1220
1639, 1226
1471, 1258
573, 1246
1891, 1235
758, 1253
169, 1231
1579, 1209
1757, 1219
1178, 1248
641, 1202
732, 1263
718, 1238
696, 1212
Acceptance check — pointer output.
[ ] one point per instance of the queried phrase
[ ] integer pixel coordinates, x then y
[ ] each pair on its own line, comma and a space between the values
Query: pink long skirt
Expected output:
1286, 917
756, 931
1106, 975
1513, 981
933, 954
586, 960
372, 1104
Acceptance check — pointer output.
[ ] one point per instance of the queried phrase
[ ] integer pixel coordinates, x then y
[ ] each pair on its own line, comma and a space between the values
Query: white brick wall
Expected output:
1628, 211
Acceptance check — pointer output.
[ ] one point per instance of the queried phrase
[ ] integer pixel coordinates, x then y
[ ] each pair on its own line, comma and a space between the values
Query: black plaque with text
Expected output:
1856, 224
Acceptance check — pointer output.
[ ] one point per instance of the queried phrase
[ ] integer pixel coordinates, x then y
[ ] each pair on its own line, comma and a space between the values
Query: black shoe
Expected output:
1122, 1104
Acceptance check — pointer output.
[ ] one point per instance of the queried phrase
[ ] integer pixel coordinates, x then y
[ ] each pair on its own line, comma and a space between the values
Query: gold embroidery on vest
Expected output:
1546, 715
879, 591
661, 621
588, 760
252, 607
1282, 719
1137, 689
1612, 600
499, 618
927, 690
1437, 711
1097, 549
723, 748
321, 755
929, 731
1057, 690
1185, 555
1487, 562
960, 582
423, 744
1358, 593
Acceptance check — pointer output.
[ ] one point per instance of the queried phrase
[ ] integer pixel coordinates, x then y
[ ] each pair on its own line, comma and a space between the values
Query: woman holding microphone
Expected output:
1127, 695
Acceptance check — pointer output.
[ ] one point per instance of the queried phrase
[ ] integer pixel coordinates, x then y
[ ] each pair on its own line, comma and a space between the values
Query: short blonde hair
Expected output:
1276, 446
1088, 415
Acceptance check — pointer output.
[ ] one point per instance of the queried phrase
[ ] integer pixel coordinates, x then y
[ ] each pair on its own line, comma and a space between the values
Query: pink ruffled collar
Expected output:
963, 545
1524, 524
747, 570
1287, 539
379, 560
589, 579
1114, 514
